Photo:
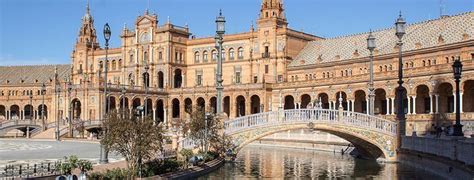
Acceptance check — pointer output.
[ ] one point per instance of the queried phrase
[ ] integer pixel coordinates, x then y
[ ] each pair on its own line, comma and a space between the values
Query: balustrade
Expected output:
322, 116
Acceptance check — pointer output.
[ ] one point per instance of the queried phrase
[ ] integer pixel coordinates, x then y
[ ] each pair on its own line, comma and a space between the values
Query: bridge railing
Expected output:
316, 116
19, 122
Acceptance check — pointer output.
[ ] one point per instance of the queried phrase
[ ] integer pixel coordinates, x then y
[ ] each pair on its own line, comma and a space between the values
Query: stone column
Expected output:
460, 102
22, 113
9, 115
393, 105
414, 105
409, 105
154, 115
352, 105
367, 106
431, 103
454, 109
165, 116
437, 103
388, 106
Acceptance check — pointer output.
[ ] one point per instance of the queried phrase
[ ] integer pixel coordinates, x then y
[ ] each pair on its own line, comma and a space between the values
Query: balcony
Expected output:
266, 55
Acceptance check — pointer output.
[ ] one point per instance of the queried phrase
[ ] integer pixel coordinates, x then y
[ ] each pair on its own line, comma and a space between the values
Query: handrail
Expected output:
317, 116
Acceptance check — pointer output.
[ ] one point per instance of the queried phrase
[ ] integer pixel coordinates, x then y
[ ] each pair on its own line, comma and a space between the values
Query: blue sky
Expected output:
44, 31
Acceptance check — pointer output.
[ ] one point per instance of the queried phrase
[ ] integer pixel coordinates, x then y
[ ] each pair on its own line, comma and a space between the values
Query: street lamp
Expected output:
43, 91
206, 120
69, 89
220, 31
457, 69
124, 90
58, 91
371, 46
146, 88
31, 104
107, 33
400, 31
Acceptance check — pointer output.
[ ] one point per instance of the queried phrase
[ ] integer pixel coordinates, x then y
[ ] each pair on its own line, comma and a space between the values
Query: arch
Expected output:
197, 57
178, 78
40, 111
124, 106
468, 96
136, 103
405, 100
146, 79
367, 147
305, 100
240, 53
28, 112
76, 108
323, 100
422, 99
14, 112
255, 104
446, 98
201, 103
149, 107
175, 108
344, 100
289, 102
240, 104
227, 105
160, 111
111, 104
213, 104
188, 105
160, 80
231, 54
205, 56
360, 101
3, 112
214, 55
380, 102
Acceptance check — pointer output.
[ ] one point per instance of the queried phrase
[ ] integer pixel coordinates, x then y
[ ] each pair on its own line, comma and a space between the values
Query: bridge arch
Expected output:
372, 136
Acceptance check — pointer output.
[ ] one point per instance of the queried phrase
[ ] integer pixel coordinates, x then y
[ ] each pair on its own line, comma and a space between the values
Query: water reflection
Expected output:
282, 163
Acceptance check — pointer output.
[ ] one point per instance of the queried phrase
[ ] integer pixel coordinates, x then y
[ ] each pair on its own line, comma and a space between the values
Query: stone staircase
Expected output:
48, 134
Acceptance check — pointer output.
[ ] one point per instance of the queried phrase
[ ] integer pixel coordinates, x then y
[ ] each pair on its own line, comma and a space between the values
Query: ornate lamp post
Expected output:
371, 46
457, 69
58, 91
107, 33
43, 91
146, 88
124, 90
220, 25
69, 89
400, 31
31, 109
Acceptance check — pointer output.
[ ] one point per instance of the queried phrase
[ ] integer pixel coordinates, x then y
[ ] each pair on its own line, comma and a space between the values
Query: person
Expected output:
438, 131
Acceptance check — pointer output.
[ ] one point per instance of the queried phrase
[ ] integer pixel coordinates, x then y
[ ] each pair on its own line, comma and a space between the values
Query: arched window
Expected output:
120, 63
223, 55
204, 56
385, 68
424, 63
214, 55
324, 75
429, 62
114, 65
380, 68
145, 57
231, 54
240, 52
196, 57
390, 67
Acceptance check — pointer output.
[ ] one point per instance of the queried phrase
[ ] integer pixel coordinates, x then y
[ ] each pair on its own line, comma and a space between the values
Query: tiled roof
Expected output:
29, 74
425, 34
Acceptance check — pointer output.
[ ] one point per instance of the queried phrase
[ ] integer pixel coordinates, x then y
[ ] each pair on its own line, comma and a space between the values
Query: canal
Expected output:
265, 162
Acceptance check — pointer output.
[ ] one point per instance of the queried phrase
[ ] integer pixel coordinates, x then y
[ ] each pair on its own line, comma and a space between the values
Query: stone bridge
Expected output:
23, 125
372, 136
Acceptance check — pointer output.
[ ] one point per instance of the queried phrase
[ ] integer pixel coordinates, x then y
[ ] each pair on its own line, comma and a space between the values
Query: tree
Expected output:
206, 135
135, 138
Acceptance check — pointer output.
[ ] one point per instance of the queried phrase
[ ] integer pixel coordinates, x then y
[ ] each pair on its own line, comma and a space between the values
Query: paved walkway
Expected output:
15, 151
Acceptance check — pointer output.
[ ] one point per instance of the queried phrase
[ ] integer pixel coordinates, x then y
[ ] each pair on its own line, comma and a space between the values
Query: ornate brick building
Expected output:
270, 67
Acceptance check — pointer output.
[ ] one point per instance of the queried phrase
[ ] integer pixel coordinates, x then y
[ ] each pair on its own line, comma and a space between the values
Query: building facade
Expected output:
268, 68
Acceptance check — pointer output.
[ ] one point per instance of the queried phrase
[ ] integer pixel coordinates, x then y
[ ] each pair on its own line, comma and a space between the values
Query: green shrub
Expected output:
158, 167
114, 174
